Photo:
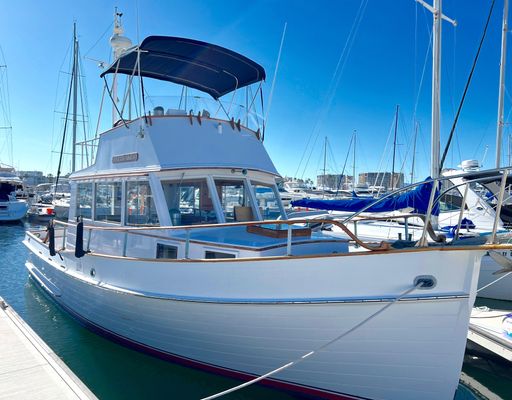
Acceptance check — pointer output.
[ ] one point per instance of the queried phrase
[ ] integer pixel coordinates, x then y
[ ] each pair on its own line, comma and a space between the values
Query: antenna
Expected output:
119, 44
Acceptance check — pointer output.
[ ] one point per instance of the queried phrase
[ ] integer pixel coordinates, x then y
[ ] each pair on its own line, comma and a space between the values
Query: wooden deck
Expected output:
29, 369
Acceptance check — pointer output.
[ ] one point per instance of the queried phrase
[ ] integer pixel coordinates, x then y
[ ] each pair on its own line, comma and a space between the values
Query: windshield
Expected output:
189, 202
268, 200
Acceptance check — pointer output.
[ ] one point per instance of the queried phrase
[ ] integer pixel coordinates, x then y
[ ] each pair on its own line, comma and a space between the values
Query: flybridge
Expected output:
199, 65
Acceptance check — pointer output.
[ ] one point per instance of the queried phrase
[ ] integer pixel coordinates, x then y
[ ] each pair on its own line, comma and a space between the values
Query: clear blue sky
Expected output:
382, 70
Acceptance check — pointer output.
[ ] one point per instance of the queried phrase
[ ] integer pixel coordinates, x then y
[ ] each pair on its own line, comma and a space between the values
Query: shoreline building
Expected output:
32, 178
375, 179
333, 181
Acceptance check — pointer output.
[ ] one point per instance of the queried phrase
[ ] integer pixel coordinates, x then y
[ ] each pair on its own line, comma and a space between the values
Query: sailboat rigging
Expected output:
73, 98
394, 149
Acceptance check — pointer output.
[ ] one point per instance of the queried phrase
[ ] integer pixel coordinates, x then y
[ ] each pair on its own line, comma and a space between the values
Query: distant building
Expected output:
32, 178
382, 179
333, 181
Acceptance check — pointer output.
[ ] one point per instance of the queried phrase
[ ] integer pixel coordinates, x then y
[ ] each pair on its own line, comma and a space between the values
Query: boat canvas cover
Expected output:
195, 64
486, 177
418, 199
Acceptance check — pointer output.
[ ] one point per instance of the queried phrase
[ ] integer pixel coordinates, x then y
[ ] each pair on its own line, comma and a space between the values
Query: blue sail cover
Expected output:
417, 199
195, 64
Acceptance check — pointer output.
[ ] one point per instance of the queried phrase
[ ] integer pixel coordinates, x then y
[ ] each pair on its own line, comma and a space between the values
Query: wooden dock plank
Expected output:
29, 369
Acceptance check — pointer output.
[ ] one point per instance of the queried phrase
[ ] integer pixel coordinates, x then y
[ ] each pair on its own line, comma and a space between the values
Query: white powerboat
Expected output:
11, 207
173, 256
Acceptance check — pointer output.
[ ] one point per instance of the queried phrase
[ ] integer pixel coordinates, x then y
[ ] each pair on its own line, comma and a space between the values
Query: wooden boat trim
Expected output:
483, 247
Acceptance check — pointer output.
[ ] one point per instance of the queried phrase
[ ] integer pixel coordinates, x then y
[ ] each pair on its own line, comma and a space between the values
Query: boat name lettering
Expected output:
125, 158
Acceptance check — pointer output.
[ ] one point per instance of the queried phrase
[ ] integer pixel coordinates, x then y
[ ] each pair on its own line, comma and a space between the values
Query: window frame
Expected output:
277, 195
93, 196
176, 246
139, 180
122, 205
182, 182
245, 181
218, 251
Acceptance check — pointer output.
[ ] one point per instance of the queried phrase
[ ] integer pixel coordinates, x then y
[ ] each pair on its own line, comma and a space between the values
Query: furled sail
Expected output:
417, 199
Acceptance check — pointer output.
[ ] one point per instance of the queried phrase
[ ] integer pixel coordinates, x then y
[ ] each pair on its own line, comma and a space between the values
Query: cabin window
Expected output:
267, 200
235, 200
209, 255
84, 200
140, 206
108, 202
166, 251
189, 202
451, 200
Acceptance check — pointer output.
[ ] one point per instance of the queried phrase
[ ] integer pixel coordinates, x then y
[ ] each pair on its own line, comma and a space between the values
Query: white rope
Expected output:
275, 73
494, 281
333, 85
309, 354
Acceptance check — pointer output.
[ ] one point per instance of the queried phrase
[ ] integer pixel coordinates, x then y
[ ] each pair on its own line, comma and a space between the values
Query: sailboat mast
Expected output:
325, 159
509, 149
75, 96
501, 96
436, 89
354, 164
394, 149
414, 151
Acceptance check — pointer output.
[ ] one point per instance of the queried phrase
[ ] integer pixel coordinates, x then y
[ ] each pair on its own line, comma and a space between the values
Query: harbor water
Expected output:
114, 372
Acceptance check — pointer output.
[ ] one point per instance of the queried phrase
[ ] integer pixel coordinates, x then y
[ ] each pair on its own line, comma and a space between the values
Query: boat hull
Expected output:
500, 290
13, 210
384, 359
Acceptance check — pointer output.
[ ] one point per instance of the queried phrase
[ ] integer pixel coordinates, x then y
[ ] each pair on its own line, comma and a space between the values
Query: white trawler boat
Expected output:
174, 256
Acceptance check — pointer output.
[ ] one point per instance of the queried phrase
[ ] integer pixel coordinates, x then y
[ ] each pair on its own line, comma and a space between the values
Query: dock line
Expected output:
419, 283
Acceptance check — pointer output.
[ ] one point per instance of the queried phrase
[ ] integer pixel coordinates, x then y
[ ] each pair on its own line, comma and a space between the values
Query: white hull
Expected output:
254, 316
501, 290
61, 211
13, 210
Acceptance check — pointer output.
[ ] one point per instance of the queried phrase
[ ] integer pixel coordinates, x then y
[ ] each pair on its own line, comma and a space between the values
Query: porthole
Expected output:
93, 272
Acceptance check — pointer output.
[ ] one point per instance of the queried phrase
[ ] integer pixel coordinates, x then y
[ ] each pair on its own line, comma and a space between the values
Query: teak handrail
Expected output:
382, 246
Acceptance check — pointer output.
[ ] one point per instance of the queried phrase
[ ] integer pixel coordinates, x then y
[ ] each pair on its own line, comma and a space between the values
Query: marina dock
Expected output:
29, 369
488, 328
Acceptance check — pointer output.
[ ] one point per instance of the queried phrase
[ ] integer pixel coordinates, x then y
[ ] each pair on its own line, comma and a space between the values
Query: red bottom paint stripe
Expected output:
307, 391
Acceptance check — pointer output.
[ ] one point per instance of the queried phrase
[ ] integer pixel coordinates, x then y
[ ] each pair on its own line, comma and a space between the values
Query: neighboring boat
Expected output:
492, 330
61, 194
172, 255
11, 208
472, 212
41, 212
51, 200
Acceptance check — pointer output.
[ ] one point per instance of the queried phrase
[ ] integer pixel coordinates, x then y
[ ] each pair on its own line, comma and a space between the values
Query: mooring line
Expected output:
494, 281
309, 354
